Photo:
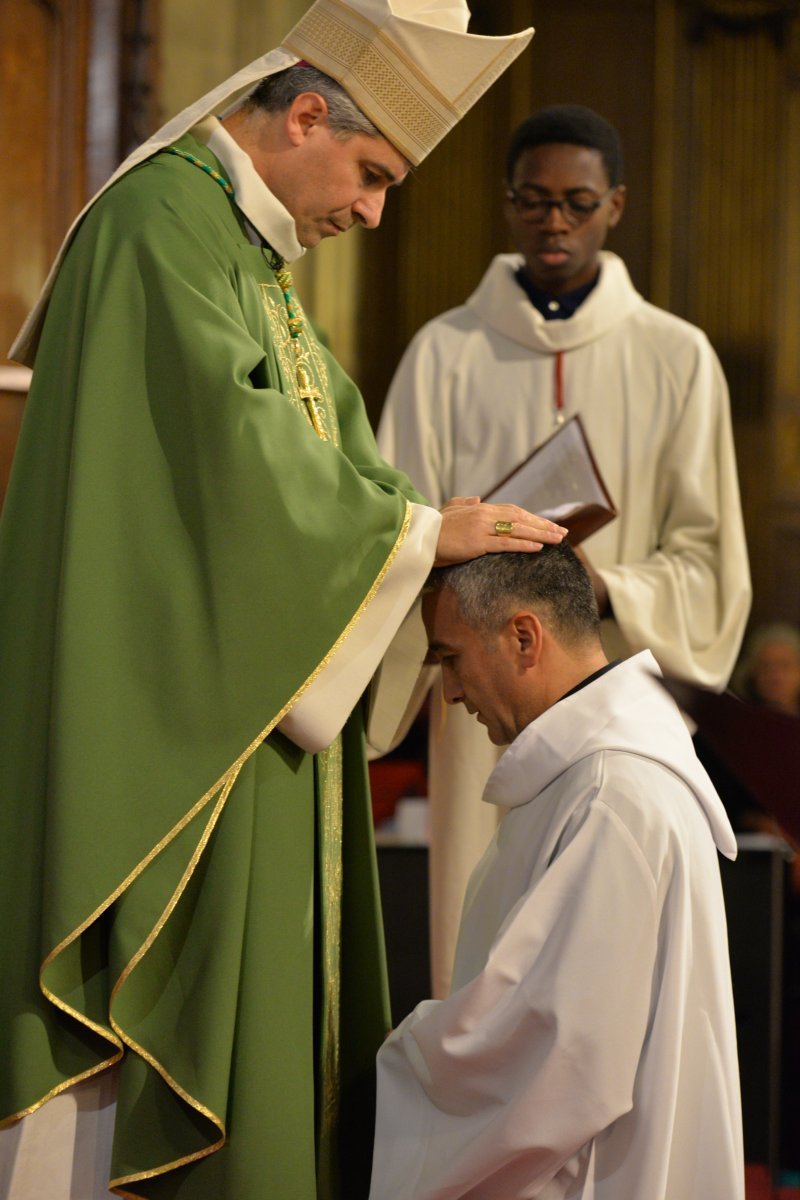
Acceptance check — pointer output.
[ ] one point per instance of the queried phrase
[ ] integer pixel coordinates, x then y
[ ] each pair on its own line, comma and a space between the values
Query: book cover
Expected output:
560, 480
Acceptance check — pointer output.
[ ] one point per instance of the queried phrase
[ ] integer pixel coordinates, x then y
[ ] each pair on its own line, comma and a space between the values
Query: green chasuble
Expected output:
186, 892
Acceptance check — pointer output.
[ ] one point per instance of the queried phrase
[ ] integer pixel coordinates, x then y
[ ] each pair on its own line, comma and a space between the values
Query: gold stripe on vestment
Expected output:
300, 356
330, 817
221, 789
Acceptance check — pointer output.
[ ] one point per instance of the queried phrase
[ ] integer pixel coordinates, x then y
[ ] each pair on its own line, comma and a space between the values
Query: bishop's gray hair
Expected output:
277, 92
552, 582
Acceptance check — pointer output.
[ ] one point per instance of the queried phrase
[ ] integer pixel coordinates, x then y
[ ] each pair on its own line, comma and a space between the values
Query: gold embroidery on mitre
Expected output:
306, 383
386, 82
420, 111
415, 116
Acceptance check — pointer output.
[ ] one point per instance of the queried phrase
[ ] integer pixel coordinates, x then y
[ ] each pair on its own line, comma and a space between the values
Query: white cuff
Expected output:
320, 713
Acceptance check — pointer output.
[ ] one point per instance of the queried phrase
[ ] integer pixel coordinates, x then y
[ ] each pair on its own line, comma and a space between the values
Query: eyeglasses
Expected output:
575, 207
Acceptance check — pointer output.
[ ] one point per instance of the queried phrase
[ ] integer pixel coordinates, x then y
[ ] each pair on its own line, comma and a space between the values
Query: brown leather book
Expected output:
560, 480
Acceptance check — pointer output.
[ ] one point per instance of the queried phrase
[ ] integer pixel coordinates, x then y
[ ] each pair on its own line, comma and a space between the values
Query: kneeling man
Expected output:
588, 1047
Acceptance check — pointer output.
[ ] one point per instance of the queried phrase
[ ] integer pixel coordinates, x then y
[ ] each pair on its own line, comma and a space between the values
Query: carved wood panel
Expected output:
75, 87
43, 47
728, 213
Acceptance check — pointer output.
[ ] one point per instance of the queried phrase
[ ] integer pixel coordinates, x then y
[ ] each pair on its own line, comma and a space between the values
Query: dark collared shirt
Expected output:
554, 308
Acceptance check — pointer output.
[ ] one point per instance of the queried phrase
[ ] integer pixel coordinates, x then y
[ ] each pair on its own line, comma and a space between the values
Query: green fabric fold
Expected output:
179, 553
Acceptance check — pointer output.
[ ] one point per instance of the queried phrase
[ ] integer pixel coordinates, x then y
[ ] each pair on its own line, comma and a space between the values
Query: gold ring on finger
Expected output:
503, 528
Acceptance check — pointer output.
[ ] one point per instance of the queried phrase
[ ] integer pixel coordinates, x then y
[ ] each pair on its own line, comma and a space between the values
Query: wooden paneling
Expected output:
75, 85
726, 207
727, 210
601, 53
11, 406
783, 452
43, 46
441, 228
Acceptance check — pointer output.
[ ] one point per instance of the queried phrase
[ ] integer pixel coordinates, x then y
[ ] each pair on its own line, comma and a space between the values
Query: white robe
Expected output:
588, 1049
474, 394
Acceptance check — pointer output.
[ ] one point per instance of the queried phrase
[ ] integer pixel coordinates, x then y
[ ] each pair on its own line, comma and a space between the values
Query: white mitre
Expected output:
409, 65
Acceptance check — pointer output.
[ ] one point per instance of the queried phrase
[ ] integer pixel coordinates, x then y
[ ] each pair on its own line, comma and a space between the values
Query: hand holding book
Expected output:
560, 480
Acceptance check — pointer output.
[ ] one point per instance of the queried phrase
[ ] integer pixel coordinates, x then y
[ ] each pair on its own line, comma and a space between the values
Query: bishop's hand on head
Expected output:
471, 528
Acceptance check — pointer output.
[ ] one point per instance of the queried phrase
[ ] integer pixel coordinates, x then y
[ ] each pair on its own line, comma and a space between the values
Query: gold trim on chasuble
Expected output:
330, 789
301, 364
329, 840
306, 385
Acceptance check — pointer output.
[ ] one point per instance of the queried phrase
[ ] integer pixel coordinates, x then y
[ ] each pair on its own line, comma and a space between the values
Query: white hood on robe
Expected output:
504, 307
599, 718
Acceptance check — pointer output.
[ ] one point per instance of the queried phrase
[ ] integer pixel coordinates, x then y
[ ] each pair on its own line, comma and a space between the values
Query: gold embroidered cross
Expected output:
313, 400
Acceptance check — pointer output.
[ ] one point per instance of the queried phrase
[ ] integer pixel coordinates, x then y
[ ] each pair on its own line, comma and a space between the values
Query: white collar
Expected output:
263, 210
595, 716
623, 710
503, 305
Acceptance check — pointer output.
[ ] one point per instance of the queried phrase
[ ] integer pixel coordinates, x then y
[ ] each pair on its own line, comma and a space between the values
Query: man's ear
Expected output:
617, 206
526, 630
306, 111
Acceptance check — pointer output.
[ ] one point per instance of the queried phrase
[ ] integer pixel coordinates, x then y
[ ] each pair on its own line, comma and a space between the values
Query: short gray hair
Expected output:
552, 582
766, 635
277, 92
